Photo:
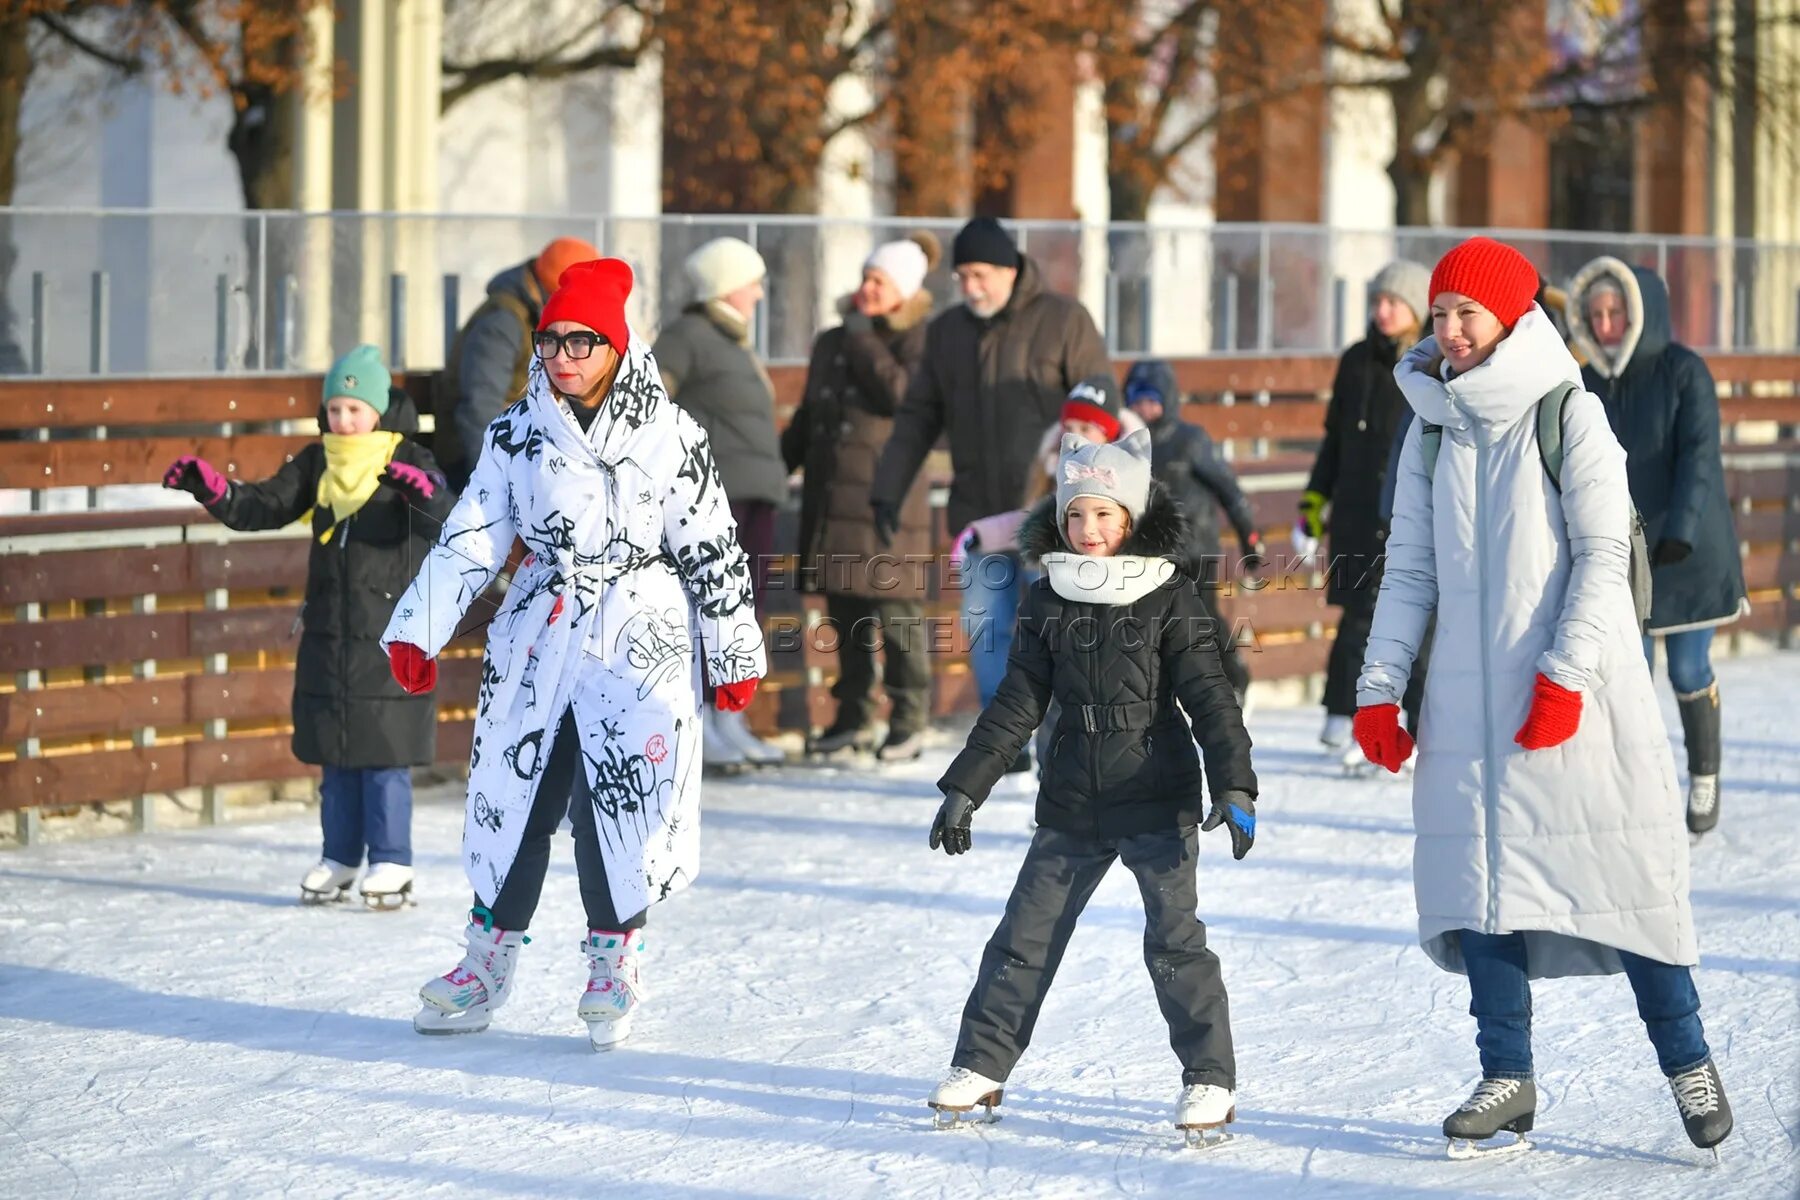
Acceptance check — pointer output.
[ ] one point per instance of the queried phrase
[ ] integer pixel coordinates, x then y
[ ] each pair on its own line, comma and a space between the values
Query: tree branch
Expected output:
56, 25
477, 75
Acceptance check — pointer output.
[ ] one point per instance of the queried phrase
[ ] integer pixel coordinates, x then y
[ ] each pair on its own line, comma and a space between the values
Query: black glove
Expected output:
1670, 551
951, 827
887, 522
1237, 812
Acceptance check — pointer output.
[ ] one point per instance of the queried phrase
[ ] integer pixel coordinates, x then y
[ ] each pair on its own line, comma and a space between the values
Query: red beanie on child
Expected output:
593, 294
1492, 274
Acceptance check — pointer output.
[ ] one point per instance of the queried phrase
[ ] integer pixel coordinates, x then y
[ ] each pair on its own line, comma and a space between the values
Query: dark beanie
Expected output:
984, 241
1095, 399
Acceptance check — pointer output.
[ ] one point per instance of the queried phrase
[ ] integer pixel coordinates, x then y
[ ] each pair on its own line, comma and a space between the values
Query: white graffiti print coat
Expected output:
634, 573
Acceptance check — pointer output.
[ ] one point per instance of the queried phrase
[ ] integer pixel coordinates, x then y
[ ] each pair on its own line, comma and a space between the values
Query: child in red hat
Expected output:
590, 687
1550, 831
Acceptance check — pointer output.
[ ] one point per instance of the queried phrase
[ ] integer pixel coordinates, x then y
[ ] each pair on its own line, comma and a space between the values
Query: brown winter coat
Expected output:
992, 386
854, 383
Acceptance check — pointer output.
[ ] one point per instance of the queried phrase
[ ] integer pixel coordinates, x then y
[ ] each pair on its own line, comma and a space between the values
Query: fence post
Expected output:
1339, 310
1797, 317
99, 318
396, 322
1718, 315
1112, 315
222, 323
1229, 331
1265, 291
452, 309
1740, 316
760, 322
286, 297
262, 291
40, 328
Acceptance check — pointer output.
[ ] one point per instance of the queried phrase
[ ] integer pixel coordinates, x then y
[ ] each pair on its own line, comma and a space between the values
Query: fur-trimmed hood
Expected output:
1154, 555
915, 311
1647, 331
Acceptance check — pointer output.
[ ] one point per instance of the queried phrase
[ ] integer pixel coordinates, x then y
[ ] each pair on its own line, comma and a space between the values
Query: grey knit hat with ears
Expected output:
1408, 282
1118, 471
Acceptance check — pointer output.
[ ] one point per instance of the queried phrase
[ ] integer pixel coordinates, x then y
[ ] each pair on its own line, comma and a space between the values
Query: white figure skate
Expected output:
326, 883
615, 985
960, 1092
388, 886
736, 728
463, 999
1202, 1112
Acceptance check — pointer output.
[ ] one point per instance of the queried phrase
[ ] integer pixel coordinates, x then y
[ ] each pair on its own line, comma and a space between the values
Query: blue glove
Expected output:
1237, 812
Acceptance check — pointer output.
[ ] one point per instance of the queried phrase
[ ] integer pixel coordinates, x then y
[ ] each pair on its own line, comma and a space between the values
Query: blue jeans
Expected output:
1689, 656
1500, 1002
990, 611
370, 807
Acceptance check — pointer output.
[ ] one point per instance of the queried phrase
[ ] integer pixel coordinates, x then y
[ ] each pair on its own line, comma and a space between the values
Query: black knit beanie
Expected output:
984, 241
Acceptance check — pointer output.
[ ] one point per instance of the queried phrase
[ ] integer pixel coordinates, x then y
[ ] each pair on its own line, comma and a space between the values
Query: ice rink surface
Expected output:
172, 1024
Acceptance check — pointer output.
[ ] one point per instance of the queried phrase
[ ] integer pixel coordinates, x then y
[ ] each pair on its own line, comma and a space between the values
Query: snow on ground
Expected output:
172, 1025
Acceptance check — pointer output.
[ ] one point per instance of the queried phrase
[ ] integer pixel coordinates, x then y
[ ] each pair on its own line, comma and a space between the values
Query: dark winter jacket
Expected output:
1352, 465
993, 386
1663, 407
856, 380
348, 711
1184, 458
1122, 759
486, 367
716, 378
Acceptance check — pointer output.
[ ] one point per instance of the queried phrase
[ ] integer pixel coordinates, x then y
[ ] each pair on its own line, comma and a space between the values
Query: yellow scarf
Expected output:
353, 469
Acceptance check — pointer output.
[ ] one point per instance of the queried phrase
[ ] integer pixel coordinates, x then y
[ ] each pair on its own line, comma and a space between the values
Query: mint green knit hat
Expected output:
362, 375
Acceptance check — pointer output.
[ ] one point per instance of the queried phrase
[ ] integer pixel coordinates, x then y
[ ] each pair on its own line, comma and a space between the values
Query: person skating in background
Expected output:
997, 370
590, 693
1189, 464
1348, 476
1117, 632
711, 370
1664, 409
874, 594
486, 367
376, 499
1549, 839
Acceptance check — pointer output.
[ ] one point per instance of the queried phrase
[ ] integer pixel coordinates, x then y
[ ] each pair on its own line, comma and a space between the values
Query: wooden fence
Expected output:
144, 652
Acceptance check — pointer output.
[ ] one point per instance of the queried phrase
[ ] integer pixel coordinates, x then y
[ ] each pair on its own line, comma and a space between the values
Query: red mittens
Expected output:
1378, 732
734, 697
412, 670
1555, 714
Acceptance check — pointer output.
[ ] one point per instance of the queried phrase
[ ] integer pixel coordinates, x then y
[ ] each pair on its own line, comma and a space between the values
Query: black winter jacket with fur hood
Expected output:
1117, 641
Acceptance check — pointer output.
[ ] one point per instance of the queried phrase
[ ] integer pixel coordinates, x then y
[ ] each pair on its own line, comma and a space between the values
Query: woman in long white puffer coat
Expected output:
589, 702
1550, 837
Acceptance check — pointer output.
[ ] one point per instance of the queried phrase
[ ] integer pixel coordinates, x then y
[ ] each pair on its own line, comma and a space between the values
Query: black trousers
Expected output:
894, 629
1347, 650
1056, 880
1235, 670
562, 791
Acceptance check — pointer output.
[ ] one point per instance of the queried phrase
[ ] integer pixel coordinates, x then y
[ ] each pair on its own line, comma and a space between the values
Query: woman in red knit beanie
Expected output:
1550, 831
590, 701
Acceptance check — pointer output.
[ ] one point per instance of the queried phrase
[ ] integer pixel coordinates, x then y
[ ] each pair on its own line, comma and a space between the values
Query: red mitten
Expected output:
412, 670
734, 697
1555, 714
1378, 732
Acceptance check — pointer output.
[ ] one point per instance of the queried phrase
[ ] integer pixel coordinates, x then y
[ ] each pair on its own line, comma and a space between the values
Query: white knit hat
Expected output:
722, 266
903, 262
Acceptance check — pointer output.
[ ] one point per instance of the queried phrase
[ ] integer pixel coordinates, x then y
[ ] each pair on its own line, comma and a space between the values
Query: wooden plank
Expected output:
1291, 420
1771, 569
91, 463
1754, 368
93, 574
454, 741
93, 641
92, 708
84, 778
84, 403
243, 630
1287, 375
1783, 410
240, 695
1286, 659
242, 760
57, 524
258, 563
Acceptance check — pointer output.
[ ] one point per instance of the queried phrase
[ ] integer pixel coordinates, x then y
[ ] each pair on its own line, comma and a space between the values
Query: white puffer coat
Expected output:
1581, 846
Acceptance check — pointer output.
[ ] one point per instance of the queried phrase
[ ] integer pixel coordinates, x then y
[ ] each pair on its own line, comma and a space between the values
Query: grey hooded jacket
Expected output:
1581, 846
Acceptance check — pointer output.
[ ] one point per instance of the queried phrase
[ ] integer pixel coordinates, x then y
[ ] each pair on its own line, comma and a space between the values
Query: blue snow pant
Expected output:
367, 807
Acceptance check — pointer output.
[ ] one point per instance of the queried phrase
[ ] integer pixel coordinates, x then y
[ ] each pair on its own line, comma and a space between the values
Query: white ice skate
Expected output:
327, 882
1336, 733
388, 886
1202, 1113
615, 985
960, 1092
736, 728
718, 752
463, 999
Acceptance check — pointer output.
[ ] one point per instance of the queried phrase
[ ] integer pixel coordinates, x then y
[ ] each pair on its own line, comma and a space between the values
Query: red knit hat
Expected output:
1492, 274
593, 294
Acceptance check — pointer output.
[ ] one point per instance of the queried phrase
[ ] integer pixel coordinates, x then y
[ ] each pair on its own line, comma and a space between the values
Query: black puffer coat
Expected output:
348, 711
1664, 409
1352, 466
1122, 761
1185, 459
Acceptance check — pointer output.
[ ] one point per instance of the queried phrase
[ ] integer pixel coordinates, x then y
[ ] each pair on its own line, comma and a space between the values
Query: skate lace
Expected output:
612, 968
1695, 1093
1488, 1093
1703, 795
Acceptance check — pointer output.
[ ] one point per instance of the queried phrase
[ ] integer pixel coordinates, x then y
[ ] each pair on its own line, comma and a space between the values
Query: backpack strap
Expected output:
1431, 440
1550, 431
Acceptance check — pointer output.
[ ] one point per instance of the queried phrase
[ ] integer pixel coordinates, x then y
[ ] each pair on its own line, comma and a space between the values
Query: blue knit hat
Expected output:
361, 375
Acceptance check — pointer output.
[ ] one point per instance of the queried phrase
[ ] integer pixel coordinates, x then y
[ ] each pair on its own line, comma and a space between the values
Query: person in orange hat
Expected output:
486, 366
590, 700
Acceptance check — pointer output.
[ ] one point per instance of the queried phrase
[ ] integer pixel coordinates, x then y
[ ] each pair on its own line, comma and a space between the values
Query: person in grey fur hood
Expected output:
1117, 633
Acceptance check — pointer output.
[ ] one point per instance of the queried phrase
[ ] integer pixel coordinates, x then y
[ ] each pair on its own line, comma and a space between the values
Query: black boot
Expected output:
906, 726
1700, 730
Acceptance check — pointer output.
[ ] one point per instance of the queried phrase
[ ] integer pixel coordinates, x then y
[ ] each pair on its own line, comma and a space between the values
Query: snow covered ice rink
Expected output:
172, 1024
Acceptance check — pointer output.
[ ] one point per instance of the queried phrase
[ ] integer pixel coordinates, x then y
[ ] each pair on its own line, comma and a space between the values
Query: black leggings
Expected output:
562, 789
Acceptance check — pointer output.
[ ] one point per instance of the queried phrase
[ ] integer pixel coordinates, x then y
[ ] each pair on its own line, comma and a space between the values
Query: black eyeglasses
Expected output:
579, 343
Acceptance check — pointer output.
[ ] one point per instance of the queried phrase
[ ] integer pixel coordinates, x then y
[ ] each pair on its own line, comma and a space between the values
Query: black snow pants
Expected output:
1056, 880
1344, 666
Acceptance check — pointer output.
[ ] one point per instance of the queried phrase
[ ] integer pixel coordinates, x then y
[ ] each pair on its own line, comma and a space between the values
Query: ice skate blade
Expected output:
608, 1035
434, 1022
389, 901
1205, 1137
315, 899
956, 1118
1465, 1149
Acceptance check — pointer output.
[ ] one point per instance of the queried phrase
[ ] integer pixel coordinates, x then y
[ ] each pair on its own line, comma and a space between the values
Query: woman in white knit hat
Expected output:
858, 375
709, 368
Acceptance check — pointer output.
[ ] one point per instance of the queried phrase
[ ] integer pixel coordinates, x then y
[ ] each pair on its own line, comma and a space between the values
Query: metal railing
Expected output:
159, 292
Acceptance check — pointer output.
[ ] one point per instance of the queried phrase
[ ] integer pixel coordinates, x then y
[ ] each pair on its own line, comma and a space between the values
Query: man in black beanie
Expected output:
996, 371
